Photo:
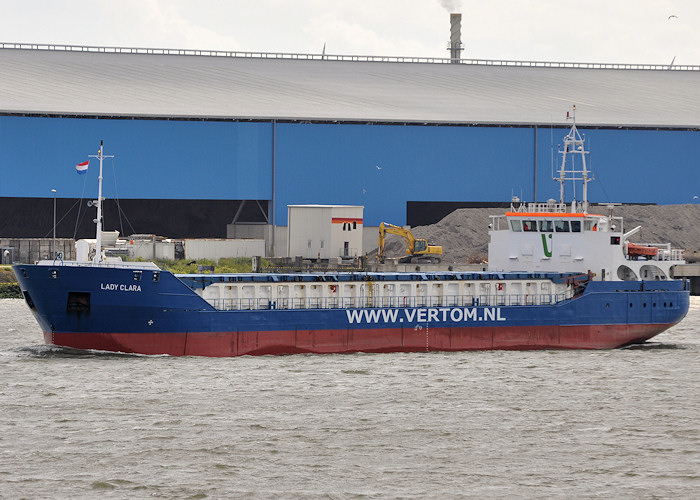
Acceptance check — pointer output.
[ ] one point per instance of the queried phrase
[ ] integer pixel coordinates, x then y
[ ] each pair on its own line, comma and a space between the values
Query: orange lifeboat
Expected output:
641, 250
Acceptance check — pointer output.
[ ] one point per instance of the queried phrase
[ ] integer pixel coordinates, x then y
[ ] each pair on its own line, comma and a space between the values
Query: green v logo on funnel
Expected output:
547, 251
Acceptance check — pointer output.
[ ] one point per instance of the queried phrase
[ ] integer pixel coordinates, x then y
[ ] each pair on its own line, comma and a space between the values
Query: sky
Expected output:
617, 31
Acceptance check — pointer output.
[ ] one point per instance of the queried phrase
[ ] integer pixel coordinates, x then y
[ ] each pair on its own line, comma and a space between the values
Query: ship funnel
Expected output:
455, 45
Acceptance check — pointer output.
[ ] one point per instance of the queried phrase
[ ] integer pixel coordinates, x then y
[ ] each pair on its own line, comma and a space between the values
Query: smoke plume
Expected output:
451, 6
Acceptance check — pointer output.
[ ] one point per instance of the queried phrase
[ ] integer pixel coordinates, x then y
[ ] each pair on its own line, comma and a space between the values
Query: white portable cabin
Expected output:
324, 231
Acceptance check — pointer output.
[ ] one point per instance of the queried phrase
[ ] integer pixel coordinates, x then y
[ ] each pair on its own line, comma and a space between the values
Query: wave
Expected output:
52, 351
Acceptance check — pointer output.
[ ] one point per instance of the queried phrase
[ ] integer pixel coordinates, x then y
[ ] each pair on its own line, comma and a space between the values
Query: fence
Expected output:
337, 57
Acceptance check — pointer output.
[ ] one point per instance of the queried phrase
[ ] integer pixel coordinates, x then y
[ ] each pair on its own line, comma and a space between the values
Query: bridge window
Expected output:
590, 225
561, 226
575, 226
529, 225
516, 225
546, 226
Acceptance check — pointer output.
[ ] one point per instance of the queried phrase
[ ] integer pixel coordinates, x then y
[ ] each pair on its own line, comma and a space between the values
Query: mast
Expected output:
98, 221
574, 144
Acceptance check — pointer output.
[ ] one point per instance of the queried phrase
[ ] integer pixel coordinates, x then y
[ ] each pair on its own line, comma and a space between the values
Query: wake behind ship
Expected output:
559, 278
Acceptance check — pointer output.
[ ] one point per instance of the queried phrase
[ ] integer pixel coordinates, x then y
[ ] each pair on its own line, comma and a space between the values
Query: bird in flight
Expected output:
672, 15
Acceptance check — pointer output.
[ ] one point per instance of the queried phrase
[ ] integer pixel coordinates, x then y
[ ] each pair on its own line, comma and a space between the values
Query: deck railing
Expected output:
666, 252
389, 302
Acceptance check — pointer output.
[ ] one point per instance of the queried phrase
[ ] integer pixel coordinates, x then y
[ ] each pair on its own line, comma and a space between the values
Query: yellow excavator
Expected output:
417, 250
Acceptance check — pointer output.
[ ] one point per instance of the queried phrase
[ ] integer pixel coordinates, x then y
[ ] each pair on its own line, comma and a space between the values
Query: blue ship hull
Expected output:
99, 307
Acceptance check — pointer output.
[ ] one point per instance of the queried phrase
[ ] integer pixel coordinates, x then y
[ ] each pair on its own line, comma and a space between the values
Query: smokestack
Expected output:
455, 46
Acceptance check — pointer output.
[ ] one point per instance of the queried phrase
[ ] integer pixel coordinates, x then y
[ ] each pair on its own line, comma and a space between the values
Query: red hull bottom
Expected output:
226, 344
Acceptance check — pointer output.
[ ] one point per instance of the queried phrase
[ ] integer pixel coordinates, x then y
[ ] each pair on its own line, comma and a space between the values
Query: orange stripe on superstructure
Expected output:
340, 220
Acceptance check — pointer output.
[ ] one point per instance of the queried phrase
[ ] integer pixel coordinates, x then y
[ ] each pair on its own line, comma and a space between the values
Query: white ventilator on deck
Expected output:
554, 237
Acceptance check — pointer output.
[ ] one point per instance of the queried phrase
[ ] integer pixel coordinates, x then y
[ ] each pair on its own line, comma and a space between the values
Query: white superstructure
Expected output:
560, 237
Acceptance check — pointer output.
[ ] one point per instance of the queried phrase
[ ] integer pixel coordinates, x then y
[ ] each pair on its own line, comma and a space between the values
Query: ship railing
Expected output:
551, 207
668, 253
665, 253
445, 301
150, 266
496, 222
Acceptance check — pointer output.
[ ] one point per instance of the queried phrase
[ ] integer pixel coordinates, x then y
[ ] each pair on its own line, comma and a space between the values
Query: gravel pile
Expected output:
464, 233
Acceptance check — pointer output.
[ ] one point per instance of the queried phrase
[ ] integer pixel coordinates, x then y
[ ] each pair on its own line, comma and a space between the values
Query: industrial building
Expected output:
324, 232
219, 144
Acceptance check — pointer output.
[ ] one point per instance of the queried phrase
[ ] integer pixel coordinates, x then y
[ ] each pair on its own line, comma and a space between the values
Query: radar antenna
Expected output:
574, 145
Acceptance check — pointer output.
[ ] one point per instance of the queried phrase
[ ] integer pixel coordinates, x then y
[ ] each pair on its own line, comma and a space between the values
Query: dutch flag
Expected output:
81, 168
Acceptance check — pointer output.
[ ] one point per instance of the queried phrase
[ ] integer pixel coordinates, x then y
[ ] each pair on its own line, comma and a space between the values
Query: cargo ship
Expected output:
558, 277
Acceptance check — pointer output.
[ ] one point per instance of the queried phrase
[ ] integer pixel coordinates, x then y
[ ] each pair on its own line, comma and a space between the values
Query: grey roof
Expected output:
119, 82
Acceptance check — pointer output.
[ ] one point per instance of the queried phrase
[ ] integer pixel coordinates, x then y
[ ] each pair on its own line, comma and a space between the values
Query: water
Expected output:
562, 424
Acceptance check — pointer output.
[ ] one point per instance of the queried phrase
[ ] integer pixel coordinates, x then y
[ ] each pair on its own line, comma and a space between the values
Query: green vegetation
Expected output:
235, 265
9, 289
7, 275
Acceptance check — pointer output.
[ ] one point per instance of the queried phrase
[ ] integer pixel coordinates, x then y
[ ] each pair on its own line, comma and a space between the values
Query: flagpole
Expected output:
53, 249
98, 221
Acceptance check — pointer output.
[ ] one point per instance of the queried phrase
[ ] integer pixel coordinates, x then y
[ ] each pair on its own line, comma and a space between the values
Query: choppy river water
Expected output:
565, 424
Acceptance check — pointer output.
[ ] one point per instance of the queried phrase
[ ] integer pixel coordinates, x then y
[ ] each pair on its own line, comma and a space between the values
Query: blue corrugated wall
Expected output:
153, 158
377, 166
